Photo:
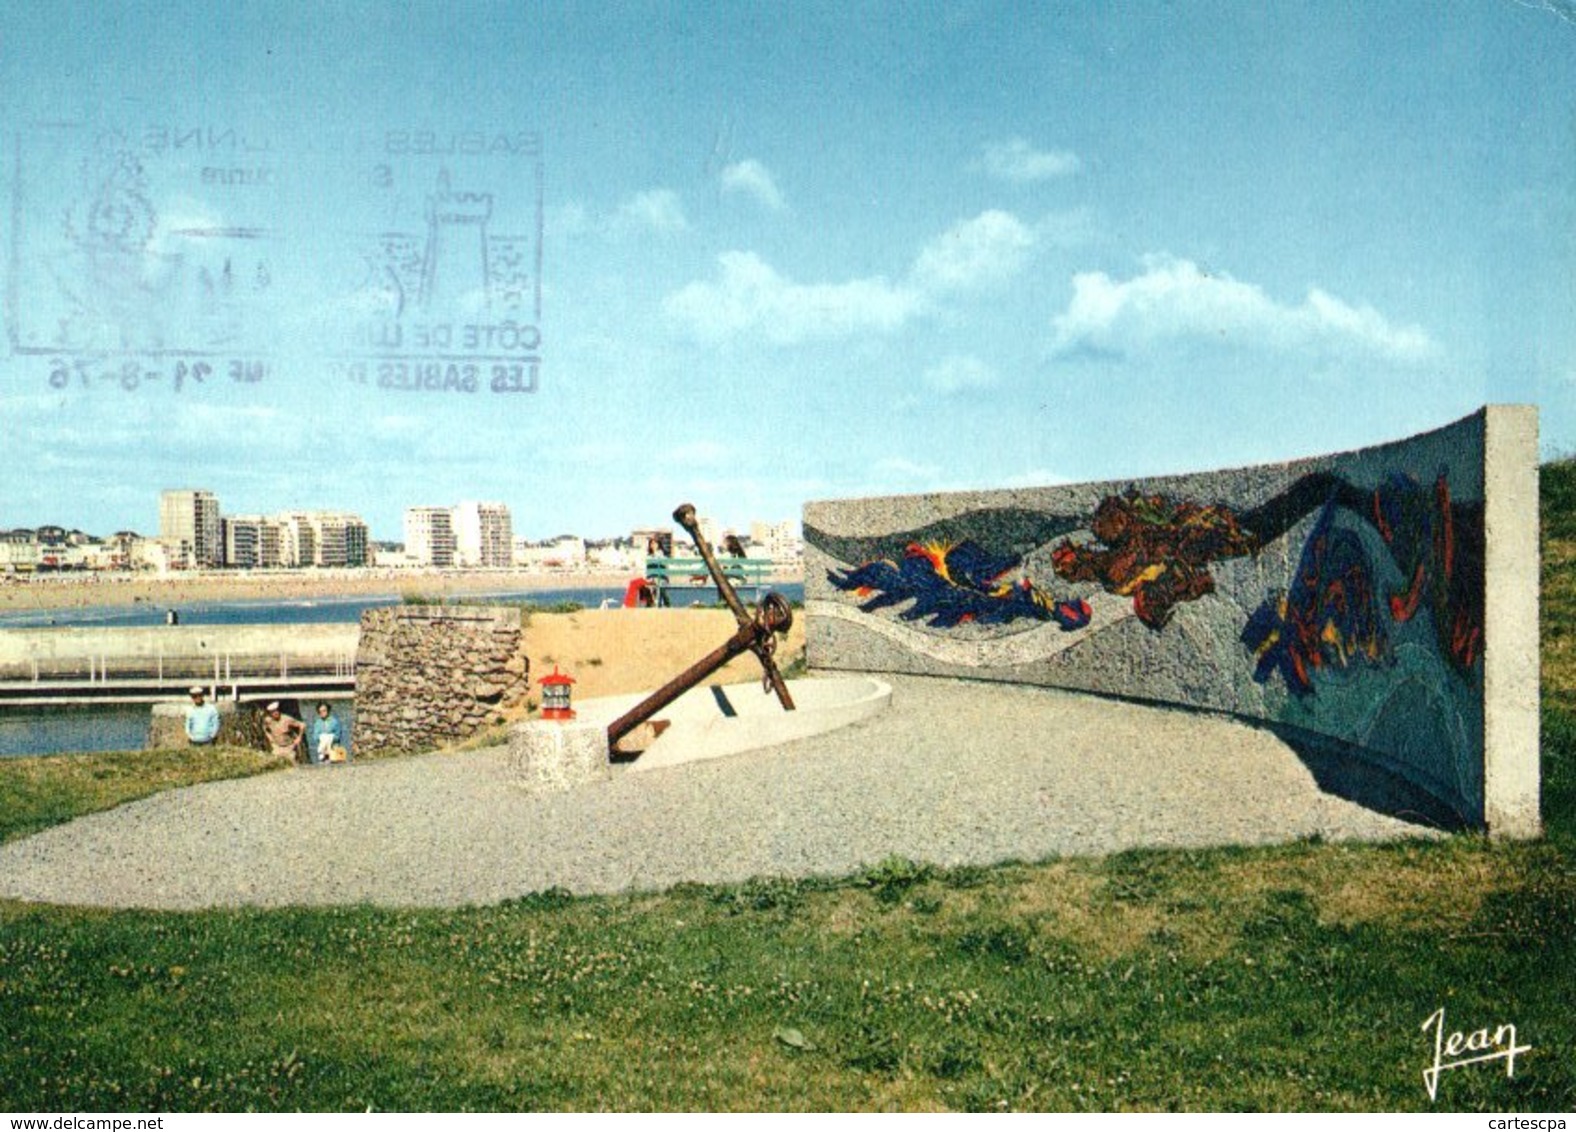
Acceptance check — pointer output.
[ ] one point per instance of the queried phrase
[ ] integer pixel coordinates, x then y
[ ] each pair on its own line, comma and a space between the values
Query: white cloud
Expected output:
1174, 300
958, 373
988, 249
1017, 161
753, 179
750, 297
656, 210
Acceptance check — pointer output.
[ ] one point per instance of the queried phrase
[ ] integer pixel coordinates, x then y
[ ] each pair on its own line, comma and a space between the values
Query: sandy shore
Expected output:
611, 652
64, 591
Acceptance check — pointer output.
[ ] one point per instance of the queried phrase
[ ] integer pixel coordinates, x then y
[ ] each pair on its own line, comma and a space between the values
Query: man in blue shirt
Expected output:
202, 720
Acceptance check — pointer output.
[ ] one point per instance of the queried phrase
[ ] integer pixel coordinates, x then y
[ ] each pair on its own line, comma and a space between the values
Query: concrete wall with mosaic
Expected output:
1353, 602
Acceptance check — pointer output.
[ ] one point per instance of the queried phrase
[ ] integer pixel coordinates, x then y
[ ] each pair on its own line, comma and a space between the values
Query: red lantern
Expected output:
555, 695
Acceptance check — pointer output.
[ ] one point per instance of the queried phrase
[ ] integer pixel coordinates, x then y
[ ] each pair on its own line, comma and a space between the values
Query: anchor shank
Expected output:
742, 641
684, 516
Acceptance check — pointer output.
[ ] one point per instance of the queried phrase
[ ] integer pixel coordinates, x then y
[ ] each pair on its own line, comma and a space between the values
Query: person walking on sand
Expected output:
202, 720
282, 731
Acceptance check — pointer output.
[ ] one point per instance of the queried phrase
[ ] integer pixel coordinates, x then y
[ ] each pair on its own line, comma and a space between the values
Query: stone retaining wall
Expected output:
429, 675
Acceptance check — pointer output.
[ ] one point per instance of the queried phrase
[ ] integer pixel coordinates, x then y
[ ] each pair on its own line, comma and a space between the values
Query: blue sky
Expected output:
787, 252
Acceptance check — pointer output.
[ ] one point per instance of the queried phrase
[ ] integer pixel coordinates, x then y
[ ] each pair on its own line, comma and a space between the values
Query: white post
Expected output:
1511, 739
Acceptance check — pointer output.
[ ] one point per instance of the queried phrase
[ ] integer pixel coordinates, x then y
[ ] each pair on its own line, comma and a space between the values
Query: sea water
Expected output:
310, 611
51, 730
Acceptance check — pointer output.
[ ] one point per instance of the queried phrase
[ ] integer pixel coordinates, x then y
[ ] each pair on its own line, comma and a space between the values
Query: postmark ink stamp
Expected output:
198, 255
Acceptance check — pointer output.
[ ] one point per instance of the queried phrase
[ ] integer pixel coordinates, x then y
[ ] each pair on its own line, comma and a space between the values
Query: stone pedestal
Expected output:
547, 756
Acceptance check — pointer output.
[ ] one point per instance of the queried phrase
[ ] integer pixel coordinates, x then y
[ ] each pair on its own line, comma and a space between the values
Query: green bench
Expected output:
664, 574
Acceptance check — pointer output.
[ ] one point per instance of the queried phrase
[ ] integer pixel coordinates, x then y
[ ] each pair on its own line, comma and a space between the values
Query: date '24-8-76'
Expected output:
91, 372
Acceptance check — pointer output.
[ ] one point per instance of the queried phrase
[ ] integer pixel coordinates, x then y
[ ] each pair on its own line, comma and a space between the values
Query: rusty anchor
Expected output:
757, 633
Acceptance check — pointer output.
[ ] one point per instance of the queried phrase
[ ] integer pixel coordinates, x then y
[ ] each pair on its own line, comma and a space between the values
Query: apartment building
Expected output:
339, 538
777, 541
429, 535
483, 534
251, 541
189, 524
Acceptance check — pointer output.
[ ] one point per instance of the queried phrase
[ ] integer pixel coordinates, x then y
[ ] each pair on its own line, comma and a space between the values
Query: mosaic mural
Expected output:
1331, 617
954, 584
1341, 595
1154, 549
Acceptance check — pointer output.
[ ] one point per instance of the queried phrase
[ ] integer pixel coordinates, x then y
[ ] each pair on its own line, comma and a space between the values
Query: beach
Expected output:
63, 591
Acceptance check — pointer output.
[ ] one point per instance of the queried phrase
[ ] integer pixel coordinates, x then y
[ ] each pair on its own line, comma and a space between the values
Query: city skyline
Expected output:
748, 258
173, 501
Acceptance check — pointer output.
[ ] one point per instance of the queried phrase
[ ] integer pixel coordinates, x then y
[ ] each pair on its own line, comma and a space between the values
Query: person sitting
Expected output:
202, 720
326, 734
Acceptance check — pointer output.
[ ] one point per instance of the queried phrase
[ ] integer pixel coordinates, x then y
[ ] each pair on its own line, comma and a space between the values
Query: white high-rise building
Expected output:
429, 535
777, 541
189, 522
710, 530
297, 539
483, 535
339, 538
251, 541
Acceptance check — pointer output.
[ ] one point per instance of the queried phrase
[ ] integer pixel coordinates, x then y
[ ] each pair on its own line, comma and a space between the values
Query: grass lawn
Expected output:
1296, 977
40, 792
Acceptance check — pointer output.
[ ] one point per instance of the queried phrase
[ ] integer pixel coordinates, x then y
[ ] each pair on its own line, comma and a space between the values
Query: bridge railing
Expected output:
178, 669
